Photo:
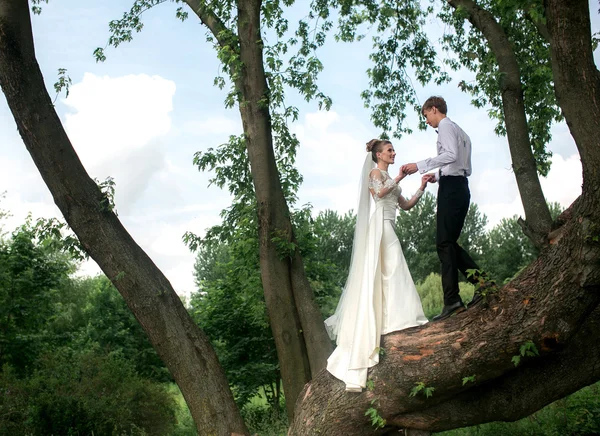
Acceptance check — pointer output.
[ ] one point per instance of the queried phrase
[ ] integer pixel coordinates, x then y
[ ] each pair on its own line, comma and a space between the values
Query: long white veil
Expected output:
351, 294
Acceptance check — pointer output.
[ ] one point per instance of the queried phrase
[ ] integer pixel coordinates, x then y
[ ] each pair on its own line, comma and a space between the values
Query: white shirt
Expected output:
454, 151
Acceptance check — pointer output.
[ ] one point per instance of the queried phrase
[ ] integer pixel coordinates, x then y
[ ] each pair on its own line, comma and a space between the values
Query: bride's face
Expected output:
387, 154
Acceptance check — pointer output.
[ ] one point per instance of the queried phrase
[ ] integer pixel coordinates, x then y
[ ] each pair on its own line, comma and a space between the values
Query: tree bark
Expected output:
182, 346
538, 220
300, 336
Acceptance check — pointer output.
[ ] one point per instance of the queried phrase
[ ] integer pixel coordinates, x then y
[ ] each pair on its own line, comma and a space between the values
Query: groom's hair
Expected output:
437, 102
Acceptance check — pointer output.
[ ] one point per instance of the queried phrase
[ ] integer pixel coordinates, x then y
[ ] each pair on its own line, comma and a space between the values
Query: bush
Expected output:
86, 393
261, 419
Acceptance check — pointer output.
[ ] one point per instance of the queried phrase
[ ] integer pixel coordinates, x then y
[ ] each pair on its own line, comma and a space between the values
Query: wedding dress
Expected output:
380, 296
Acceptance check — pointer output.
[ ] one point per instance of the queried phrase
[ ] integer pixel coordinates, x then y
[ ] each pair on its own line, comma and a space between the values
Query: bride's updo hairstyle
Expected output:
375, 146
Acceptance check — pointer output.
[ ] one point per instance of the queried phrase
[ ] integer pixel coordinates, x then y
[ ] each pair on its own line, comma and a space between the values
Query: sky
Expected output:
140, 116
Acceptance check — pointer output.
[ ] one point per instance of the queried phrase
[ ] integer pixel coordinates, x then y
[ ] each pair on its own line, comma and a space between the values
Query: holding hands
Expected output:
409, 168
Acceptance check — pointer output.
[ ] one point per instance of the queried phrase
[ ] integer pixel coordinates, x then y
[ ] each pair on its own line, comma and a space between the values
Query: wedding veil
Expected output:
348, 303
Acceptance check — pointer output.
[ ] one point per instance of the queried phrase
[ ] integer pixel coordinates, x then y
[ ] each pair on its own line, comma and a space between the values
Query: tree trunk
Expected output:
537, 214
576, 80
283, 279
182, 346
300, 335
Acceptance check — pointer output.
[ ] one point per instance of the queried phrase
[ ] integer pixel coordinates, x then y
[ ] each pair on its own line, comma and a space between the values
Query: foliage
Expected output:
377, 421
30, 275
471, 51
35, 6
74, 359
228, 276
262, 419
185, 424
84, 393
326, 248
508, 249
421, 388
230, 308
107, 187
108, 323
416, 231
63, 82
469, 379
528, 349
401, 50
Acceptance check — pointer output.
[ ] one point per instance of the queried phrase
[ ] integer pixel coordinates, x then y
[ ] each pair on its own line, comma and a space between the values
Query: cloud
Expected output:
112, 114
117, 126
563, 184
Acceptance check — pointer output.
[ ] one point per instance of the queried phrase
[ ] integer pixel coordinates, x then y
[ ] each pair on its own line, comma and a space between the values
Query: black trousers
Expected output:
452, 207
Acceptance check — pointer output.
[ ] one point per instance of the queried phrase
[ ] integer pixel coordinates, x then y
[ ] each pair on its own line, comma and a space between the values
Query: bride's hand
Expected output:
426, 178
401, 175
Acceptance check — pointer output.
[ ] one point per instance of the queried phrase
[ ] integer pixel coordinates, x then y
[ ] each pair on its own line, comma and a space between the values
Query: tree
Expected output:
529, 310
229, 288
229, 306
184, 349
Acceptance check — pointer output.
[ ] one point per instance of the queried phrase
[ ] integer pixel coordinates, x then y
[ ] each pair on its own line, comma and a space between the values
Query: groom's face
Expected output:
431, 116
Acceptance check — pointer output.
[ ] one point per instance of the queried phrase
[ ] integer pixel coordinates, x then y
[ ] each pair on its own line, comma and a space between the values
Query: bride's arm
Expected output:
407, 204
380, 186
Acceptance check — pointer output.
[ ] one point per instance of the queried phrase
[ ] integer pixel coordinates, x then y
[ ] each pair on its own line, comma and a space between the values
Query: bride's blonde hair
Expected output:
375, 146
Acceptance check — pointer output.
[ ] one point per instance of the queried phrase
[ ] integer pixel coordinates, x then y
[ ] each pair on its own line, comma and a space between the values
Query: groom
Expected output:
454, 162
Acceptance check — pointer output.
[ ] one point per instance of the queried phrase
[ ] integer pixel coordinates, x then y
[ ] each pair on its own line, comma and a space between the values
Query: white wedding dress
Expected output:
380, 296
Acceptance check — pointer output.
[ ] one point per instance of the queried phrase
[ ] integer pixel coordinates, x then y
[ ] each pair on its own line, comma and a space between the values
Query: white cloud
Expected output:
118, 127
563, 184
115, 114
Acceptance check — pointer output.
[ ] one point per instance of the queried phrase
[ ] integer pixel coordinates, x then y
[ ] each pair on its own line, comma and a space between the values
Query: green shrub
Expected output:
82, 394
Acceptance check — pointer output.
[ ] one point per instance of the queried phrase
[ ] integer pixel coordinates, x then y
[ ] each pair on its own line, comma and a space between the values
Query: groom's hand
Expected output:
431, 178
410, 168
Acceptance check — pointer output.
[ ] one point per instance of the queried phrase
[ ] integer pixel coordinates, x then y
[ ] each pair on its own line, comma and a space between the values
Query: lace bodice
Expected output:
379, 180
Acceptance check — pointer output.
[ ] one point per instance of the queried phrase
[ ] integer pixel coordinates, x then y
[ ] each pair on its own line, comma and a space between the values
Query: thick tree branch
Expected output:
217, 27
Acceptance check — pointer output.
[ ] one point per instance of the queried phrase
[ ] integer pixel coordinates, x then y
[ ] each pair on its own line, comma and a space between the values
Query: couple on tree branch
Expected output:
380, 296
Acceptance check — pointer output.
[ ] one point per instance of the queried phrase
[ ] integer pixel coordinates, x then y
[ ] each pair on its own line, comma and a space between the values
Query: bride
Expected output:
380, 296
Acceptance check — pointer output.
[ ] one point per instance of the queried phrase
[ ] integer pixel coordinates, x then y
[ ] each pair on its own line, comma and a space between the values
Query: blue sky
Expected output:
140, 116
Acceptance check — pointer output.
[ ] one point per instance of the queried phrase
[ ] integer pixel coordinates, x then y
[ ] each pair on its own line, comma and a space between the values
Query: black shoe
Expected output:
449, 310
477, 297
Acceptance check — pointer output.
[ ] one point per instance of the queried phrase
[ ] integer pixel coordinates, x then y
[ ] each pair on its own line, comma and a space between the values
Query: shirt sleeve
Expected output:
447, 145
